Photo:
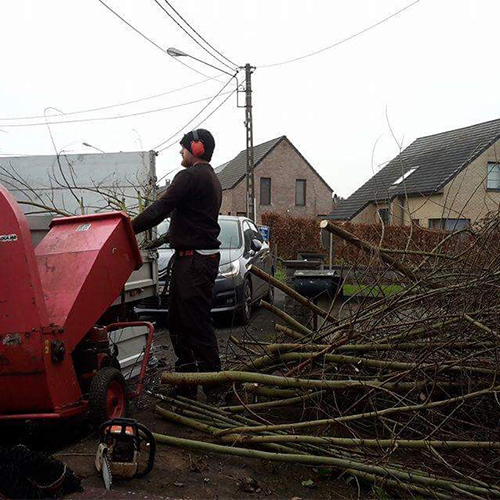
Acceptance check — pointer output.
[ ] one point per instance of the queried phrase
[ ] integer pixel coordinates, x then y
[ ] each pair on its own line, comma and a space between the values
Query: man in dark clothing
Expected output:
193, 202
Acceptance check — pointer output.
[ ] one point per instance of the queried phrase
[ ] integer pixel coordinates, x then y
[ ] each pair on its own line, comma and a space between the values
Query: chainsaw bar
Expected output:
106, 472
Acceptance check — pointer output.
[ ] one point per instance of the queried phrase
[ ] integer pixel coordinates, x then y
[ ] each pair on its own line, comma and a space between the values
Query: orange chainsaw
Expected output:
119, 450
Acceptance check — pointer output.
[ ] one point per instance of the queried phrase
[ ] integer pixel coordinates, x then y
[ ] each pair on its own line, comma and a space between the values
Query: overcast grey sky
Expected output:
432, 68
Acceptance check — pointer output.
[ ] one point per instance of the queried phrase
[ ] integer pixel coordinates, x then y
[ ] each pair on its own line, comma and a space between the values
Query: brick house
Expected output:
285, 182
442, 181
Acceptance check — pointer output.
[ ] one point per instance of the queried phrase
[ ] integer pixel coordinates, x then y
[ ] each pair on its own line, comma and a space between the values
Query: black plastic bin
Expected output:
314, 283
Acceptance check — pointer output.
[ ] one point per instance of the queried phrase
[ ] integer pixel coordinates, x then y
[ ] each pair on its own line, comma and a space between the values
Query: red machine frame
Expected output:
51, 299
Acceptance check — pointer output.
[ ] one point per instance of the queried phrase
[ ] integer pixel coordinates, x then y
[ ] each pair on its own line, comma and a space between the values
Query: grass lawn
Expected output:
371, 290
279, 273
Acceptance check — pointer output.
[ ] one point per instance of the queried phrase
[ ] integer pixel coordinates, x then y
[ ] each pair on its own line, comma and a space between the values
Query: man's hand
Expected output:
158, 242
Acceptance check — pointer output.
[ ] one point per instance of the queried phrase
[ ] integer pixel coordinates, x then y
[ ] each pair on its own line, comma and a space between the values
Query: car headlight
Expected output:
229, 270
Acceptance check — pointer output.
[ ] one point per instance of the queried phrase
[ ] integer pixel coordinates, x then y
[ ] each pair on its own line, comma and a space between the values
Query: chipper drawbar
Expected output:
54, 361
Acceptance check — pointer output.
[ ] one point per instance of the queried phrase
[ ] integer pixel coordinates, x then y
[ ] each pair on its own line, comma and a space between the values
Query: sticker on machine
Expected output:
8, 238
84, 227
12, 339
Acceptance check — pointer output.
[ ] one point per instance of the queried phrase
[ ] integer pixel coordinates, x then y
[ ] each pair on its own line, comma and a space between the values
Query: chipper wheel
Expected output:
108, 396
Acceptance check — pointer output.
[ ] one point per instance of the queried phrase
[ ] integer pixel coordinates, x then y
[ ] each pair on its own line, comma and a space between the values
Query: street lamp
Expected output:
86, 144
171, 51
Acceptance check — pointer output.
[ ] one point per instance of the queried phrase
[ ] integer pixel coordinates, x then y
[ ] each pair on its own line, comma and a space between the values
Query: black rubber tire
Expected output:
98, 411
245, 311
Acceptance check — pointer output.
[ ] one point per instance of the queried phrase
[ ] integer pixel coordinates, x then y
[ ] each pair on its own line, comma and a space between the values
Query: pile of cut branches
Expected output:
399, 391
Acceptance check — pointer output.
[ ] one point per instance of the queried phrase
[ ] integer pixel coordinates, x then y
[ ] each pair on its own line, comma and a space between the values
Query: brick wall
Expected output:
465, 197
234, 200
284, 166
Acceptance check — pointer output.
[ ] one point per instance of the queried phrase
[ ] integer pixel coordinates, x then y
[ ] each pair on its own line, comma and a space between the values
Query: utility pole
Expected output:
249, 133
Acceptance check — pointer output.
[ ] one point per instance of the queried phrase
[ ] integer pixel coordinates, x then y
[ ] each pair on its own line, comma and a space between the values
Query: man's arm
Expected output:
162, 207
158, 242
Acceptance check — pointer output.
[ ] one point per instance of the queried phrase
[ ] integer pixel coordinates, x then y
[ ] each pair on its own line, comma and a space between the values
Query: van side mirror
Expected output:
256, 245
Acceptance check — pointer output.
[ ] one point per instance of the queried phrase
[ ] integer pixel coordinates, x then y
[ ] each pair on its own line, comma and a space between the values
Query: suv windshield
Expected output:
229, 236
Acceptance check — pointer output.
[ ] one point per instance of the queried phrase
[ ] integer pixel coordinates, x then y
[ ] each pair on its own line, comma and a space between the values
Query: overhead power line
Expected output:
196, 115
152, 41
195, 127
200, 36
232, 68
117, 117
229, 94
103, 108
340, 42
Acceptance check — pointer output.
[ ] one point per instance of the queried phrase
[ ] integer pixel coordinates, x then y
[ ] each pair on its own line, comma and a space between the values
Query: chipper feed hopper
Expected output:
54, 361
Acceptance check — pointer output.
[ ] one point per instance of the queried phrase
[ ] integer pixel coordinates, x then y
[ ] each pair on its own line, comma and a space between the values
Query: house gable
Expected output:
464, 196
307, 163
281, 162
233, 172
284, 167
436, 160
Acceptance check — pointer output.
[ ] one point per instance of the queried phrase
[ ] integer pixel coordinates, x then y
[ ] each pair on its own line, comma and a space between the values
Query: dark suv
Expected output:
235, 288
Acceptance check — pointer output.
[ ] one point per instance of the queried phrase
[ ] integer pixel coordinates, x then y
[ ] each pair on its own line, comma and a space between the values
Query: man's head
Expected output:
197, 145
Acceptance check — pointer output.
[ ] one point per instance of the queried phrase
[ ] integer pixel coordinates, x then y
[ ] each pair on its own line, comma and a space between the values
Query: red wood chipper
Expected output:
54, 361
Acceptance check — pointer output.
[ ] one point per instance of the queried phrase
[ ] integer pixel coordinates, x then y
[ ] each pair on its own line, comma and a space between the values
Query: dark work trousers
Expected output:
190, 321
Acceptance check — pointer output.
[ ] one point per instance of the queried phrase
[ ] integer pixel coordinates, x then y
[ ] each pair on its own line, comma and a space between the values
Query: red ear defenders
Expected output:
197, 147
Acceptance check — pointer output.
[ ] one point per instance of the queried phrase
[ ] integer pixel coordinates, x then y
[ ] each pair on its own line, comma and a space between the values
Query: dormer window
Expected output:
399, 180
493, 183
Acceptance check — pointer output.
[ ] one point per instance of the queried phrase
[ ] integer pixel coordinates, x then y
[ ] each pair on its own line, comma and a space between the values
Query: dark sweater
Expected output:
193, 202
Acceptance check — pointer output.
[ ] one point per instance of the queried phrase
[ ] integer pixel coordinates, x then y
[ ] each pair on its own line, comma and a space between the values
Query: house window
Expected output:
415, 222
399, 180
265, 190
300, 192
384, 216
449, 224
493, 176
